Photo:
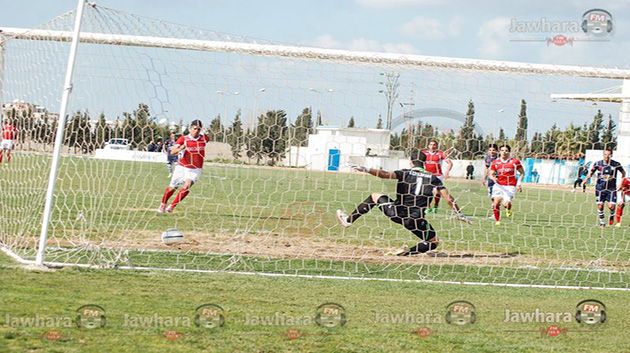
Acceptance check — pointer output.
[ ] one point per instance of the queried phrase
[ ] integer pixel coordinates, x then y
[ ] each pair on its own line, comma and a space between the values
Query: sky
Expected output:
467, 29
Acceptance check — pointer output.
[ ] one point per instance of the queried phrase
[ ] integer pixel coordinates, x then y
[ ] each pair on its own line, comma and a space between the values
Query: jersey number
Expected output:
418, 186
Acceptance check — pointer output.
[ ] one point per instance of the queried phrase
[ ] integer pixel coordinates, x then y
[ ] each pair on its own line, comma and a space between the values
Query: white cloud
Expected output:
381, 4
494, 37
362, 44
400, 48
326, 41
426, 28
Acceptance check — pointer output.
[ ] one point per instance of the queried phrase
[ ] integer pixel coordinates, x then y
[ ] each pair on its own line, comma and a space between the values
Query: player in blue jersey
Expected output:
606, 185
171, 160
493, 153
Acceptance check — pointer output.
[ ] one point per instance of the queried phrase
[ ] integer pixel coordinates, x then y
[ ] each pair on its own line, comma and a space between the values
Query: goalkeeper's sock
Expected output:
167, 194
497, 213
363, 208
180, 196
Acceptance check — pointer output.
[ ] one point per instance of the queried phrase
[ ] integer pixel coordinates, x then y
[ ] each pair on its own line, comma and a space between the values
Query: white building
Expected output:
334, 148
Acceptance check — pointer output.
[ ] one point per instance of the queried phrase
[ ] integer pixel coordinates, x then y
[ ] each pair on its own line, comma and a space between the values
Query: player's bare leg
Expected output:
454, 206
611, 218
363, 208
496, 210
508, 209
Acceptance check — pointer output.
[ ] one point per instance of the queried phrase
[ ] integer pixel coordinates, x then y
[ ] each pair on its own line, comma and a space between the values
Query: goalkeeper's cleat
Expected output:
508, 213
409, 252
343, 219
497, 223
169, 209
161, 208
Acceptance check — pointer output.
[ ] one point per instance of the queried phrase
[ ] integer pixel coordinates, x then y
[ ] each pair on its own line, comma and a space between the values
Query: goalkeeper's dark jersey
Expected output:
415, 187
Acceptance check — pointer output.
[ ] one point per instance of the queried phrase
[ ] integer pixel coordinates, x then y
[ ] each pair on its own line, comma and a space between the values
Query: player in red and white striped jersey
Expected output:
189, 167
9, 133
503, 173
624, 188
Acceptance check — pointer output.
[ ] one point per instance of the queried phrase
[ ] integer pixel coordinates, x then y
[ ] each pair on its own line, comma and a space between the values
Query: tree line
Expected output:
272, 135
568, 143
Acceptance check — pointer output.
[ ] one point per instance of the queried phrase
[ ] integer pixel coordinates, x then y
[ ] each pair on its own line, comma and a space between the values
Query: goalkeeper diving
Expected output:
414, 190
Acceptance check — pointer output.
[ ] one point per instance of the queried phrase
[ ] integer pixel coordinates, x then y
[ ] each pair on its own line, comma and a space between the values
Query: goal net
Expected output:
285, 123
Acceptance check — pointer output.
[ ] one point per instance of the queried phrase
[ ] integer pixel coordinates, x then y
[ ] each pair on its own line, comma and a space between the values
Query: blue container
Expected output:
333, 159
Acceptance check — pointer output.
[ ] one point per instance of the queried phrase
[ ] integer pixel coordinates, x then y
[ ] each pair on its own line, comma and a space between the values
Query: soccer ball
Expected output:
172, 236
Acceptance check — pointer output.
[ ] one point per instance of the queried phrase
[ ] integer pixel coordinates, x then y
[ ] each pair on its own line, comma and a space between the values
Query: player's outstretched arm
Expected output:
449, 166
383, 174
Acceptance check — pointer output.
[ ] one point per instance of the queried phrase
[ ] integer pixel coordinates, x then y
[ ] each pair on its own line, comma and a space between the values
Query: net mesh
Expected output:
267, 199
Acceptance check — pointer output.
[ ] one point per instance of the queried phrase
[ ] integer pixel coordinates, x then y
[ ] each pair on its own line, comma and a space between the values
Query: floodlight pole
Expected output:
67, 89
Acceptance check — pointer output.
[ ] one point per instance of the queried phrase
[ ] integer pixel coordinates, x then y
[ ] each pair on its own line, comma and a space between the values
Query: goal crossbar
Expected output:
317, 53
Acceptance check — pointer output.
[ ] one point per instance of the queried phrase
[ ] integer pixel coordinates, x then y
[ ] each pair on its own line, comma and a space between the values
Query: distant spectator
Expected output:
581, 175
535, 176
368, 153
151, 146
159, 146
470, 169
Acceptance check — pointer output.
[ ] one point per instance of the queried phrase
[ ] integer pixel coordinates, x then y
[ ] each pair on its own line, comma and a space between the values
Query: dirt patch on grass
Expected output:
282, 246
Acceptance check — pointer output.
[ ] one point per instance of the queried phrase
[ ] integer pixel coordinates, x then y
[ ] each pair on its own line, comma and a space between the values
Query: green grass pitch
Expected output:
552, 240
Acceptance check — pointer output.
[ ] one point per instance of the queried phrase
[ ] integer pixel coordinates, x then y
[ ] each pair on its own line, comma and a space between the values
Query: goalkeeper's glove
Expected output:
360, 168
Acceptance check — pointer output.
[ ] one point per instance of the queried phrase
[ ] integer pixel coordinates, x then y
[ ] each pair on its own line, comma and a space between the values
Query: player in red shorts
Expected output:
625, 198
435, 157
190, 165
503, 173
9, 133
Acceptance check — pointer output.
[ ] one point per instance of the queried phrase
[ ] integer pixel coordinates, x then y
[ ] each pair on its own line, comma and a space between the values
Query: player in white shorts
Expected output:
189, 168
9, 133
503, 174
